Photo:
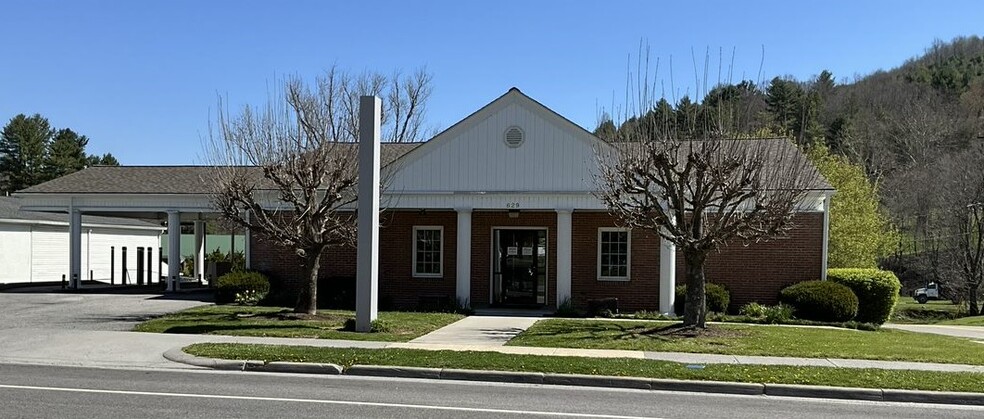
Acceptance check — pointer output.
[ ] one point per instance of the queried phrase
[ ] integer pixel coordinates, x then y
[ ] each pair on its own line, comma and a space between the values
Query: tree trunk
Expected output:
307, 301
973, 308
695, 309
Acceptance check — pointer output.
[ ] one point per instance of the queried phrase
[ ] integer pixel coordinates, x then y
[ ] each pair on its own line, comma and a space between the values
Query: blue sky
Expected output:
141, 78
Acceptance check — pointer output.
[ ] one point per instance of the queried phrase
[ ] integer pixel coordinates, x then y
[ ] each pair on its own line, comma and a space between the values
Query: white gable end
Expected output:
473, 157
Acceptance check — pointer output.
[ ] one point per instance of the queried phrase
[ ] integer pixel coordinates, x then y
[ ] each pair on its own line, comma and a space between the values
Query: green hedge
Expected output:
718, 298
230, 284
821, 301
877, 291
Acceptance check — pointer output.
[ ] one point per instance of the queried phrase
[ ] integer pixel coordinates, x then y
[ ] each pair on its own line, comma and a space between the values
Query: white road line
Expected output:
336, 402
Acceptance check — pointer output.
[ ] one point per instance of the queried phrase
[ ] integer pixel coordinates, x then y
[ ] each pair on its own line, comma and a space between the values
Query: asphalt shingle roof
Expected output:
159, 179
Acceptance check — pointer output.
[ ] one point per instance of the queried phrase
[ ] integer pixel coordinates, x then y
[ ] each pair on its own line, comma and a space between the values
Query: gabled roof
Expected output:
10, 209
513, 95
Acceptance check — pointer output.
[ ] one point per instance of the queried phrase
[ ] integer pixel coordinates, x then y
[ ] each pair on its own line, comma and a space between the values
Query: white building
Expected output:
34, 245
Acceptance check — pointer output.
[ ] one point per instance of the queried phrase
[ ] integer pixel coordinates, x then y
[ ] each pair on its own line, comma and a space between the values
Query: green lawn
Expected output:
267, 321
844, 377
965, 321
738, 339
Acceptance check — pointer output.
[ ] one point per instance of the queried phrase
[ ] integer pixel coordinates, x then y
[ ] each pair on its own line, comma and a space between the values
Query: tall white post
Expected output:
75, 248
563, 255
173, 251
667, 276
367, 261
826, 235
200, 250
463, 264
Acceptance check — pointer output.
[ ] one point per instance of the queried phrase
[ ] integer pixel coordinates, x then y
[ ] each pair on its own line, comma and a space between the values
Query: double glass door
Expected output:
519, 268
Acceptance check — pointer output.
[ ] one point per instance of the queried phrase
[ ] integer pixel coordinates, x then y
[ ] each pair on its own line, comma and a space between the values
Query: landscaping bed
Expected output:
908, 310
825, 376
280, 322
762, 340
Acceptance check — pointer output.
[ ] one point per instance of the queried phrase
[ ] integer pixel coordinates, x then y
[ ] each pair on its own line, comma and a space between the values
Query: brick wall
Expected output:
397, 286
752, 273
640, 292
758, 271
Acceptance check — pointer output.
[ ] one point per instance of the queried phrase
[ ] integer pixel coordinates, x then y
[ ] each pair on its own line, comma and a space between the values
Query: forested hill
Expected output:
915, 131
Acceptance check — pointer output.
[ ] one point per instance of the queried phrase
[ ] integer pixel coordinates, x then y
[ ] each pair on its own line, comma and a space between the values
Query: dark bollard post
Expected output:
140, 266
63, 281
112, 265
160, 264
150, 270
123, 272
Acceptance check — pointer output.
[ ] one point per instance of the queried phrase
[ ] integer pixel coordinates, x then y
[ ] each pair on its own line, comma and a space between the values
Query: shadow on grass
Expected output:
200, 329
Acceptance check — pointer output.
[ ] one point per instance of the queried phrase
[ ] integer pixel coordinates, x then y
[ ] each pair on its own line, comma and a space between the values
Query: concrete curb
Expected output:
178, 355
750, 389
754, 389
823, 392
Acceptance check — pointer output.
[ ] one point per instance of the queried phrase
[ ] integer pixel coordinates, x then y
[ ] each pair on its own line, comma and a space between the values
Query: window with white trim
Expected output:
614, 252
428, 246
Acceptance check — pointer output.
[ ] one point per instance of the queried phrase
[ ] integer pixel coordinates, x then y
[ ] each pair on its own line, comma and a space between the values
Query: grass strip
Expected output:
824, 376
761, 340
278, 322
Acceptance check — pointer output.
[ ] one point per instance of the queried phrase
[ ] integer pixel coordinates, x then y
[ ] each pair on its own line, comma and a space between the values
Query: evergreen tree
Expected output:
105, 160
24, 144
783, 97
66, 154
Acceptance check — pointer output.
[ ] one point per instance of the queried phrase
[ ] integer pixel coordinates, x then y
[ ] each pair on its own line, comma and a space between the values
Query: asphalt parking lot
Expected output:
103, 310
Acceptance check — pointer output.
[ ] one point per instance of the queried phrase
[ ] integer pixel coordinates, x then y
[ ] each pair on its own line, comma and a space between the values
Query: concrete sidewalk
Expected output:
478, 330
145, 350
972, 332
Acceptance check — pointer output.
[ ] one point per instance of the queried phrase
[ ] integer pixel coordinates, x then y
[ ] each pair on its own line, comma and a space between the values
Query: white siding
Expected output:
103, 239
39, 253
15, 253
555, 157
49, 253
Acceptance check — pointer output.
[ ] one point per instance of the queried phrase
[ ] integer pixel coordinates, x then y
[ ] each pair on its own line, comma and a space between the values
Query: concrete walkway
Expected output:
972, 332
145, 350
478, 331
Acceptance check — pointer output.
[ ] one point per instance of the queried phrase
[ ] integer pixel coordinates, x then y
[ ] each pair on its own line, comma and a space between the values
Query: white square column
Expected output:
200, 250
463, 262
74, 248
173, 251
367, 261
563, 255
667, 276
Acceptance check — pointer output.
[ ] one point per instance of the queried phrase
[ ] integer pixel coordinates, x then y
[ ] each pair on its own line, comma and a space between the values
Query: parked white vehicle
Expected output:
931, 292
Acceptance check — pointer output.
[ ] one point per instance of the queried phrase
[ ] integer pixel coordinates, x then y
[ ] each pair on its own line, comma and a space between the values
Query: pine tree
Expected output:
24, 144
66, 154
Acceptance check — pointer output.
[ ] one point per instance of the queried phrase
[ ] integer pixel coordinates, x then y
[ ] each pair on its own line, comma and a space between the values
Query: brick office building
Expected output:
498, 210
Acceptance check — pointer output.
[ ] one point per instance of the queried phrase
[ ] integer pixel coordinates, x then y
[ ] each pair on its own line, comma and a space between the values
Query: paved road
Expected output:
46, 391
108, 311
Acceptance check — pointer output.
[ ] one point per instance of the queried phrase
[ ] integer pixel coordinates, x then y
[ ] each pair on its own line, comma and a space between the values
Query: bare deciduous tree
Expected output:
288, 170
962, 220
702, 194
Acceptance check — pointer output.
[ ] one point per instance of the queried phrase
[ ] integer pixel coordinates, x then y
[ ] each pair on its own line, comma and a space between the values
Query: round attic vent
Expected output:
514, 137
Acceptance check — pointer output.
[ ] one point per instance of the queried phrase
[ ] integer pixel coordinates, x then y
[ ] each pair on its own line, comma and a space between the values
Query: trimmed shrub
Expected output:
717, 296
752, 310
877, 291
824, 301
233, 283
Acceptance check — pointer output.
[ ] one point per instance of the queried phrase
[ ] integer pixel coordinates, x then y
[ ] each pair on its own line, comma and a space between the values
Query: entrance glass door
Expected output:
519, 268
